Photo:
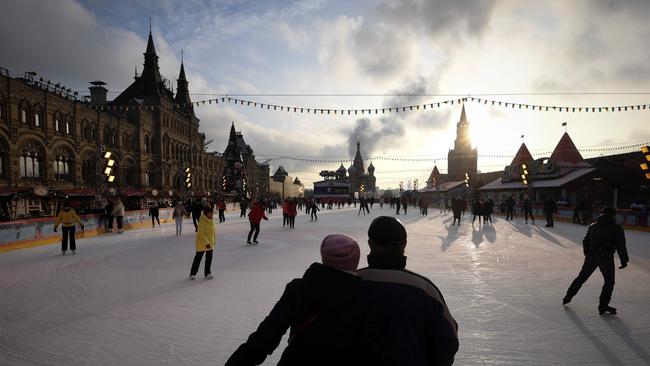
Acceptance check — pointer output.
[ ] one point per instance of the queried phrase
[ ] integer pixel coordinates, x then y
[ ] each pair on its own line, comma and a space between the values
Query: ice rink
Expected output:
126, 299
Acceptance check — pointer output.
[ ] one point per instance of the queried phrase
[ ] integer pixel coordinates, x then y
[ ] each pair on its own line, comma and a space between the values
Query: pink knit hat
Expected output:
340, 251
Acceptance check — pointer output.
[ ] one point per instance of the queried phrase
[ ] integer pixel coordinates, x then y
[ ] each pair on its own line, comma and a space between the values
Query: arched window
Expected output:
146, 144
62, 165
153, 145
129, 172
4, 157
57, 121
68, 126
38, 117
89, 168
166, 147
25, 111
93, 133
113, 138
150, 176
31, 158
125, 140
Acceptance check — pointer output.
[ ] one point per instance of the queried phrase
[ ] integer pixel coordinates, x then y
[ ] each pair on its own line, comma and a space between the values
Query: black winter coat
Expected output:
322, 307
407, 321
605, 236
550, 207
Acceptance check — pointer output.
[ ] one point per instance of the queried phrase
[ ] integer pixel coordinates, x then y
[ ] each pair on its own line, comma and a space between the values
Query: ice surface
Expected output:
126, 300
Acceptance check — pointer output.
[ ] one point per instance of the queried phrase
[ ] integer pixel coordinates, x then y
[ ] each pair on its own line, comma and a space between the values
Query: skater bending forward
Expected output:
205, 242
603, 239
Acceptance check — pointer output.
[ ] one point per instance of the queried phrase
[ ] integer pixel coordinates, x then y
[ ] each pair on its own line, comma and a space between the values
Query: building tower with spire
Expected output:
462, 158
358, 176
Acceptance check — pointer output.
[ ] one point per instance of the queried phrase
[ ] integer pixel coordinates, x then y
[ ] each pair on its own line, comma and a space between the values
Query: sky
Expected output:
362, 55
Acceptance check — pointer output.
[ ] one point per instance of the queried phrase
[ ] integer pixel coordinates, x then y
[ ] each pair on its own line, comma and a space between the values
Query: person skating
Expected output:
108, 212
398, 204
604, 238
255, 217
154, 212
118, 213
221, 206
510, 208
197, 208
178, 215
292, 212
550, 209
528, 210
285, 212
407, 321
405, 205
319, 310
243, 206
488, 208
477, 208
456, 209
314, 210
205, 242
67, 218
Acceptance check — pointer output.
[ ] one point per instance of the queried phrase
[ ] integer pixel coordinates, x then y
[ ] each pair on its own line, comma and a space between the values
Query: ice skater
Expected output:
456, 209
205, 242
477, 211
154, 212
314, 211
292, 212
118, 213
550, 209
604, 238
528, 210
67, 217
178, 215
255, 217
317, 309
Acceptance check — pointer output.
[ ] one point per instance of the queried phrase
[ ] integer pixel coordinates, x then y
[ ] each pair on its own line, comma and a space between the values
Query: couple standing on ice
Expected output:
338, 315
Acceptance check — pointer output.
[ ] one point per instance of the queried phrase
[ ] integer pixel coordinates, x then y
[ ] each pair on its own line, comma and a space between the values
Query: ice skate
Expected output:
192, 278
249, 243
209, 277
566, 300
606, 309
255, 242
63, 252
73, 252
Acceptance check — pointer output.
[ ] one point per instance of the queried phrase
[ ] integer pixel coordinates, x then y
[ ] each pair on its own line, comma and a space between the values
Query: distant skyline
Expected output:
372, 47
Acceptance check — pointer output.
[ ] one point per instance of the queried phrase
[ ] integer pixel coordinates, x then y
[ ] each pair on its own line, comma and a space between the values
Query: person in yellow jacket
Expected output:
67, 218
205, 242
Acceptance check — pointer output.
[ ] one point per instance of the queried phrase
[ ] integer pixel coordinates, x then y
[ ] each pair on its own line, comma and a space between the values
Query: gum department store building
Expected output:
50, 142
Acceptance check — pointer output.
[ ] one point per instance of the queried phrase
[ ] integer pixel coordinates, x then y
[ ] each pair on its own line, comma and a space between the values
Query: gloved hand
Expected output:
55, 229
623, 265
207, 246
266, 218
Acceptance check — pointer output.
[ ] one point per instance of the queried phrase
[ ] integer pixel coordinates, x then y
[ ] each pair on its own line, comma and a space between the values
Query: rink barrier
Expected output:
34, 232
629, 219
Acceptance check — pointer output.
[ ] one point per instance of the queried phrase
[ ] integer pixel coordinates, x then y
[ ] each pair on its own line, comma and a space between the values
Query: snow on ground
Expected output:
126, 299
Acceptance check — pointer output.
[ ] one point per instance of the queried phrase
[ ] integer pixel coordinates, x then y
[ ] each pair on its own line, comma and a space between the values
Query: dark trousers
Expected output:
486, 218
195, 221
109, 222
68, 234
222, 216
256, 228
456, 217
153, 219
119, 222
604, 262
509, 213
314, 215
529, 213
292, 221
243, 212
474, 218
285, 219
197, 262
425, 211
549, 220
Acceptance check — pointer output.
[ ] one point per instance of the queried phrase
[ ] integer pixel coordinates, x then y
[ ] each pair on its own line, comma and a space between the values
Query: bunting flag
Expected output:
385, 109
433, 158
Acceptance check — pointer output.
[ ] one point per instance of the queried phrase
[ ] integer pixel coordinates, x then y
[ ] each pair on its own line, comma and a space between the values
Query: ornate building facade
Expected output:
52, 139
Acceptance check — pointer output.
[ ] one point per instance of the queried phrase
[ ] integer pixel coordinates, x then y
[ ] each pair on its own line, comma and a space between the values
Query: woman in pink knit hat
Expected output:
319, 308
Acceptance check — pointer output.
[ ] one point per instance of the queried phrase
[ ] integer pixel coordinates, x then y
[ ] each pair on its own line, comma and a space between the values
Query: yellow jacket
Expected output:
205, 235
68, 218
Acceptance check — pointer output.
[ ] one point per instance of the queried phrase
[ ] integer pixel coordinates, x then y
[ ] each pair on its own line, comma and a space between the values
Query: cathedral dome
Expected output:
352, 170
341, 169
371, 168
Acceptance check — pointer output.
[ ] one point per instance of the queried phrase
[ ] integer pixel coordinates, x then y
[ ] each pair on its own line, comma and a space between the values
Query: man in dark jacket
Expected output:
528, 210
510, 208
550, 209
197, 208
407, 321
604, 238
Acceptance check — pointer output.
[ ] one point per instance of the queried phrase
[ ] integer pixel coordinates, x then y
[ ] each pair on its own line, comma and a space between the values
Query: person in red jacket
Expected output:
285, 212
255, 216
292, 212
